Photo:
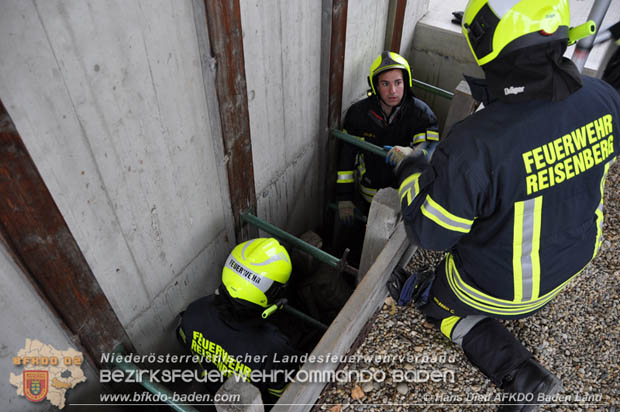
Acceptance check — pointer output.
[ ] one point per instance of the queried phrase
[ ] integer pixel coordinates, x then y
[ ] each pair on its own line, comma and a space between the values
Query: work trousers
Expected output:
485, 341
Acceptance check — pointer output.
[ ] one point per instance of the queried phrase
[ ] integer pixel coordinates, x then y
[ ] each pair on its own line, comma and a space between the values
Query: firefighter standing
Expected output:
515, 191
391, 115
226, 329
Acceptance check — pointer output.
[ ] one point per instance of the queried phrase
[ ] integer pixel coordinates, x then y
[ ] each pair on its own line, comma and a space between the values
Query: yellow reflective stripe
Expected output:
182, 334
419, 138
406, 187
599, 210
345, 176
367, 192
361, 166
526, 245
447, 325
443, 218
432, 135
517, 244
535, 255
485, 303
276, 392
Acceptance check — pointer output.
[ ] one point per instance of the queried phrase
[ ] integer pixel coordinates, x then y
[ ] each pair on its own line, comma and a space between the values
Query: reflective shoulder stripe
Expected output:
526, 245
447, 325
419, 138
182, 334
599, 210
432, 135
345, 176
443, 218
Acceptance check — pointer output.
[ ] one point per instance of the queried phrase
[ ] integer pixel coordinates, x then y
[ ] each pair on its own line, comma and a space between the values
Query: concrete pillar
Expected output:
382, 219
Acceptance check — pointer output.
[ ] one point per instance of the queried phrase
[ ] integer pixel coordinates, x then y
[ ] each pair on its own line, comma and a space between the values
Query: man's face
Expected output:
391, 87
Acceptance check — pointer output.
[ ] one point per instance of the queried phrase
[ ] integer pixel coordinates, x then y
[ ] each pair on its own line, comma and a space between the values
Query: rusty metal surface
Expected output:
41, 243
336, 75
225, 34
399, 20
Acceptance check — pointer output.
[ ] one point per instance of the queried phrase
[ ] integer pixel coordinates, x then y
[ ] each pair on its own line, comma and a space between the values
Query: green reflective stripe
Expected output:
182, 334
345, 176
599, 210
526, 245
443, 218
447, 325
432, 135
419, 138
485, 303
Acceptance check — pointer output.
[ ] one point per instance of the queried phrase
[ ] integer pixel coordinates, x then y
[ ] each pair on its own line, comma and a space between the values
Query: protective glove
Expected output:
397, 154
404, 288
346, 210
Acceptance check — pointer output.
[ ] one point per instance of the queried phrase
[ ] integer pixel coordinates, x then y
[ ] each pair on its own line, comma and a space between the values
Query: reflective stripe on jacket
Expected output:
414, 122
515, 194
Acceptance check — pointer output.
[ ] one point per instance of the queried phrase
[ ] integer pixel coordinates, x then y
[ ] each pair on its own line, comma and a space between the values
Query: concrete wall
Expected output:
23, 315
366, 25
282, 47
109, 99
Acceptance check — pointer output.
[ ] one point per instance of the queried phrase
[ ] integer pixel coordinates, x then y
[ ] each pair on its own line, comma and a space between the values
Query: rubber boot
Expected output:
529, 386
504, 360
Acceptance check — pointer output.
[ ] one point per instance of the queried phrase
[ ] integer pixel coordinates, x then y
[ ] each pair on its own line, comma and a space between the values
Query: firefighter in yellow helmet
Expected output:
390, 116
514, 193
226, 329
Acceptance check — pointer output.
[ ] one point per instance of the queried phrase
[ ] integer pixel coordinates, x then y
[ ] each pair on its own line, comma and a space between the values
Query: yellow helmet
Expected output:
387, 61
256, 270
494, 27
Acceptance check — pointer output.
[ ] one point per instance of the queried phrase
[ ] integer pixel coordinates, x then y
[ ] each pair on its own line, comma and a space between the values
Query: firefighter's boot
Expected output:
502, 358
529, 386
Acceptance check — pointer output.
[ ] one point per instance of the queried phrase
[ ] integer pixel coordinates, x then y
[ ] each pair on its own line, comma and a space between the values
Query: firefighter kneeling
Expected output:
512, 246
226, 329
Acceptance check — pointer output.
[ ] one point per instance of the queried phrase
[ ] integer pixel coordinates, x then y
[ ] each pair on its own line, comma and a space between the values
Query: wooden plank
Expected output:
41, 243
394, 27
382, 219
336, 75
368, 296
226, 36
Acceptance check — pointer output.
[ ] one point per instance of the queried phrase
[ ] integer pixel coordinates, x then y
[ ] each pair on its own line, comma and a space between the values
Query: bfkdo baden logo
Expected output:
35, 385
47, 373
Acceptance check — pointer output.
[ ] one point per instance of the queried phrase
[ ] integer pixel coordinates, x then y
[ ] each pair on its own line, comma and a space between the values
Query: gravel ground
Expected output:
576, 336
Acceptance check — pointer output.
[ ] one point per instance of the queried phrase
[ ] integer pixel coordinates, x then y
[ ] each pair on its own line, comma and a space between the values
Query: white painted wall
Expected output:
282, 47
109, 99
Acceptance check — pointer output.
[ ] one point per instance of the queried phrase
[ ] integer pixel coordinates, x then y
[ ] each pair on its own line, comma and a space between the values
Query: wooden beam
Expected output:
226, 36
39, 240
394, 27
338, 39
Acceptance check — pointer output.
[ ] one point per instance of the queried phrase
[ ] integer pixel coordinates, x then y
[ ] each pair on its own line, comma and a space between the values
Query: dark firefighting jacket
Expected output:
515, 194
231, 344
410, 123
